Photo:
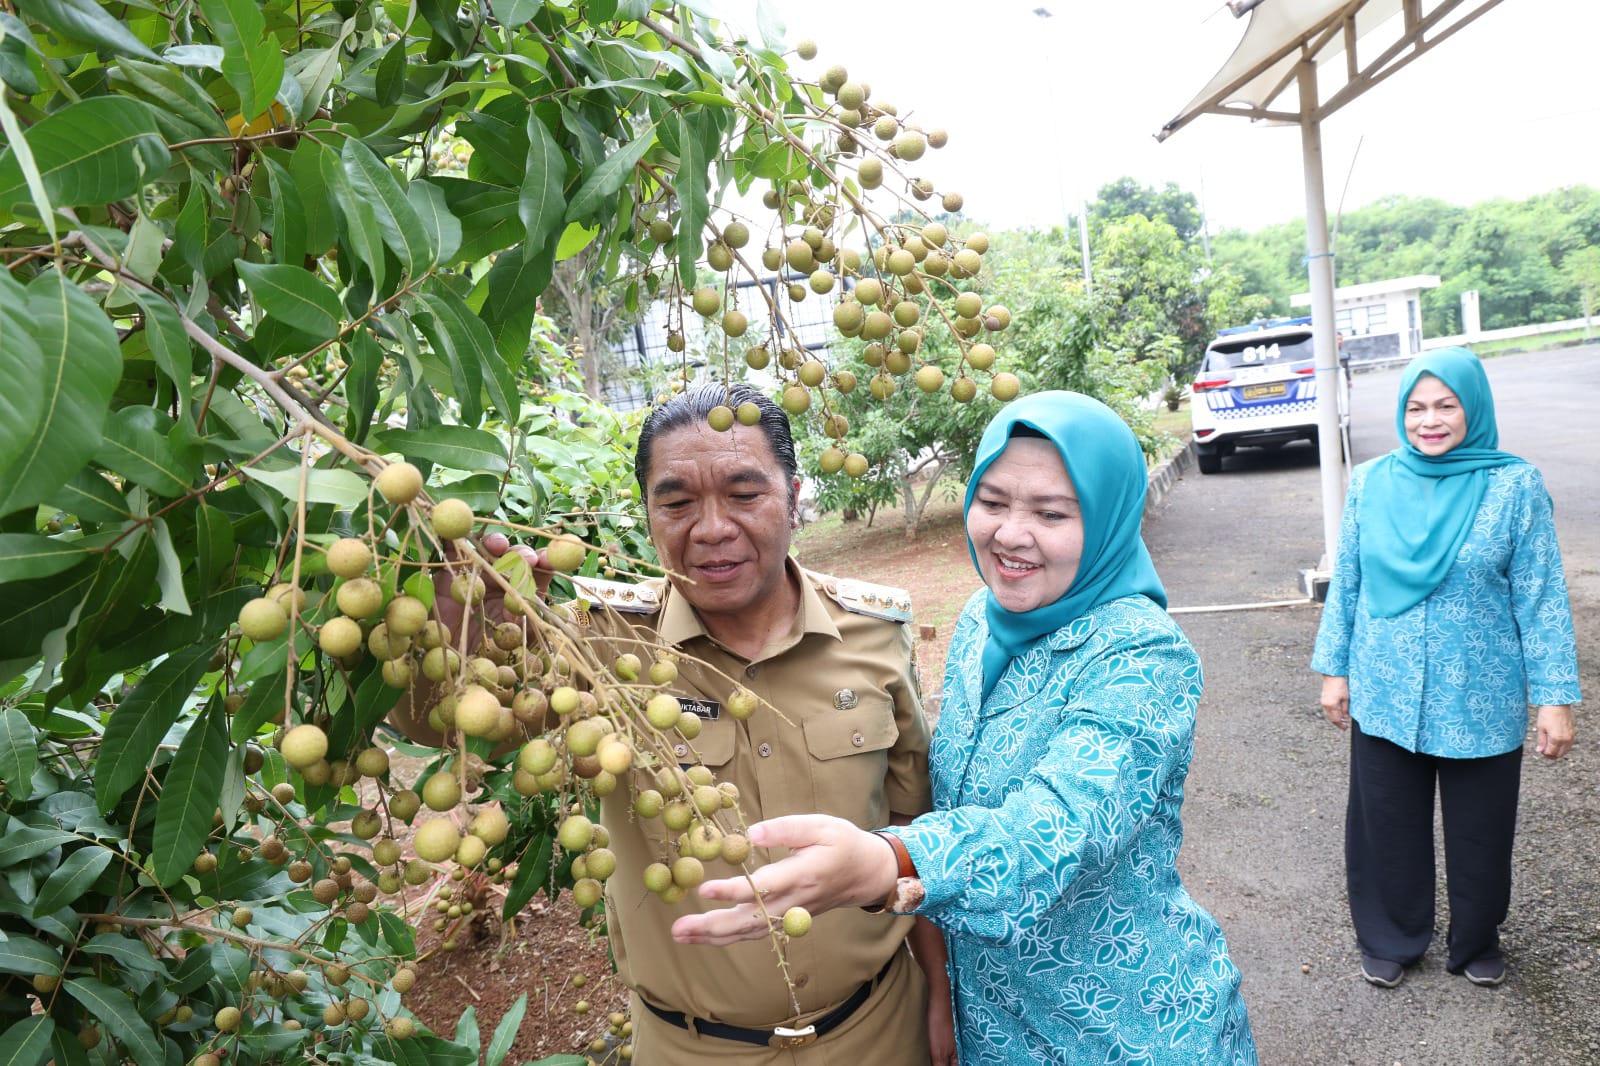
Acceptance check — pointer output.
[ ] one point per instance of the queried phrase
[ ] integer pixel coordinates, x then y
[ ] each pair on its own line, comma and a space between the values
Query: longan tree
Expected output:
271, 368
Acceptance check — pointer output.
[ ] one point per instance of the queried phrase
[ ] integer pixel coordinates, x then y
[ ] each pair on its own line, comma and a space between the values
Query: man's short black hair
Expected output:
693, 405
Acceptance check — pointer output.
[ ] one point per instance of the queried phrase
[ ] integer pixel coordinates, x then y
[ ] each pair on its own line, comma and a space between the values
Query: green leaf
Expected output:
453, 342
88, 153
361, 227
74, 876
92, 498
516, 12
609, 177
456, 447
374, 183
17, 137
116, 1012
443, 230
574, 239
338, 487
770, 22
545, 176
142, 719
23, 955
467, 1030
390, 80
473, 342
288, 216
365, 356
66, 1050
137, 449
505, 1034
64, 387
27, 1042
15, 43
25, 555
169, 569
127, 952
293, 295
692, 202
251, 58
169, 345
87, 21
189, 796
509, 310
19, 753
35, 609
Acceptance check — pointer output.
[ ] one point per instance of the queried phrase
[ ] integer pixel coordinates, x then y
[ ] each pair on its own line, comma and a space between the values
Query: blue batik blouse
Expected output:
1049, 860
1454, 675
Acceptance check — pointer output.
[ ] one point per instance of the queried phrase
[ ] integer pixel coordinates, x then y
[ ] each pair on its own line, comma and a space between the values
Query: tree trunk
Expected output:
908, 495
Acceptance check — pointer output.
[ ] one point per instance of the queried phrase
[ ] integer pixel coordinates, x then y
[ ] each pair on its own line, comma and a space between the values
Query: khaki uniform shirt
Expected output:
854, 745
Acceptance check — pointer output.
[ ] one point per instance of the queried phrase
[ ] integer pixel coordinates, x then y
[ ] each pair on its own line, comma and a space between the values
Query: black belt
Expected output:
779, 1037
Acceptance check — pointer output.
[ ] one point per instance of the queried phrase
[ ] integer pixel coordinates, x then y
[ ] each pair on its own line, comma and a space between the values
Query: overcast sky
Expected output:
1043, 111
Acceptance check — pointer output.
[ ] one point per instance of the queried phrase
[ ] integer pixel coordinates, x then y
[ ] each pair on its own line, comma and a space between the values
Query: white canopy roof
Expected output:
1390, 33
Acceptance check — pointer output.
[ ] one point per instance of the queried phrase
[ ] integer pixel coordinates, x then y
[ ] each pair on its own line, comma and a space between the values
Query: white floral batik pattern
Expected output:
1453, 676
1050, 857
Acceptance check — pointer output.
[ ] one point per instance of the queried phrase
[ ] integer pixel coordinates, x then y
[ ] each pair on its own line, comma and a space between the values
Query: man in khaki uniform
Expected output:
834, 657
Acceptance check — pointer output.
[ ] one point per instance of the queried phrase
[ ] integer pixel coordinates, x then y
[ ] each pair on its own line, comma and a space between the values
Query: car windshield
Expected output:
1246, 351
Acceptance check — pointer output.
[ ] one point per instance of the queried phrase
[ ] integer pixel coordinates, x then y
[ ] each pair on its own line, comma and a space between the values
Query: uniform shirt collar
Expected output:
680, 623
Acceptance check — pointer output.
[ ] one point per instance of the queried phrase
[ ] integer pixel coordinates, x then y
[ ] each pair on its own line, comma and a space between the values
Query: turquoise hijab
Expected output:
1418, 509
1107, 469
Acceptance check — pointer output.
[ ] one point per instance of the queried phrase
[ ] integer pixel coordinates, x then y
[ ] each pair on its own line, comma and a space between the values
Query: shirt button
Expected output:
764, 750
801, 981
681, 750
752, 670
857, 739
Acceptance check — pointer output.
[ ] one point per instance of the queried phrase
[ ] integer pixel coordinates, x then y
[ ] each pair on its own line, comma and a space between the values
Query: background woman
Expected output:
1447, 615
1058, 766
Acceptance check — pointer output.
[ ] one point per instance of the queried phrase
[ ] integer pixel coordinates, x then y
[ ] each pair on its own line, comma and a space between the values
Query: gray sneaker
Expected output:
1486, 972
1381, 972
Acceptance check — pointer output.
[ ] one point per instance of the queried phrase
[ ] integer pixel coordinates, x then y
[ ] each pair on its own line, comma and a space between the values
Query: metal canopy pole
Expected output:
1319, 265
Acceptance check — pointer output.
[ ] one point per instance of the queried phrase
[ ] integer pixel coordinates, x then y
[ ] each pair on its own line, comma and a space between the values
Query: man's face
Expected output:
720, 516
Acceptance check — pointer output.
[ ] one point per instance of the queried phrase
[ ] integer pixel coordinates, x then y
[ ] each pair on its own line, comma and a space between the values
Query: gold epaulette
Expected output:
863, 597
619, 595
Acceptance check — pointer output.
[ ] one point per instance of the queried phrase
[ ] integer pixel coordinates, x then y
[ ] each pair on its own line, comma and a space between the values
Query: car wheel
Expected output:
1208, 460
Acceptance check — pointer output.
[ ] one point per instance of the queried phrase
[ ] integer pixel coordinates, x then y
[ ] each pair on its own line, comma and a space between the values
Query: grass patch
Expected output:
1568, 339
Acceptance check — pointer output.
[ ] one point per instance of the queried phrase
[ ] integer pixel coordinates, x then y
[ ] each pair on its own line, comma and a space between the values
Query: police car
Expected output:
1257, 388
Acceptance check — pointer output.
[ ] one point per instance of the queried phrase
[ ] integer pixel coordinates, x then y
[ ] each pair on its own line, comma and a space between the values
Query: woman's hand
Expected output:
1555, 731
831, 864
1336, 700
941, 1029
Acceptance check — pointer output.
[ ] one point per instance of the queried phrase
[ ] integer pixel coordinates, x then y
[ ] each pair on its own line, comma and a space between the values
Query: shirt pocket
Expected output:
715, 745
868, 728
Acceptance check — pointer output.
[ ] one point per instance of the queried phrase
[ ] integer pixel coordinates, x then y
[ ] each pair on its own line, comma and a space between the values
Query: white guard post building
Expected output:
1380, 322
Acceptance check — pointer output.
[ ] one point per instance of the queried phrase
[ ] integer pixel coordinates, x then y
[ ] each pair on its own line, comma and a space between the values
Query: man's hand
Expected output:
1555, 731
493, 611
1336, 700
831, 864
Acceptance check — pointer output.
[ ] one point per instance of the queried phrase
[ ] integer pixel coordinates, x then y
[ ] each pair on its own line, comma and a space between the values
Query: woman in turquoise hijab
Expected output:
1446, 617
1057, 765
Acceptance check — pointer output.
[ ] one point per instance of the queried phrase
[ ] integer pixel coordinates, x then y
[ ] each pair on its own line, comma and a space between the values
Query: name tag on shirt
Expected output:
707, 709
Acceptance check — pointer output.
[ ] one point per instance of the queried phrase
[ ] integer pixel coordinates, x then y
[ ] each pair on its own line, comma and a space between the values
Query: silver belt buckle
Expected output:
788, 1039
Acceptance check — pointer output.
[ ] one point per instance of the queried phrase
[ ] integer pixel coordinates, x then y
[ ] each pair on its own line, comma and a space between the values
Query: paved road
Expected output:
1265, 809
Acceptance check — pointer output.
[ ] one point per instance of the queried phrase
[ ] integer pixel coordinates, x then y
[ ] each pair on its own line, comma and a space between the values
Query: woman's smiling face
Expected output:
1435, 420
1026, 525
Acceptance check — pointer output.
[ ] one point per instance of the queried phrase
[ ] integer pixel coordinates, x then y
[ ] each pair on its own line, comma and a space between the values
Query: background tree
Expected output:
1125, 198
1514, 253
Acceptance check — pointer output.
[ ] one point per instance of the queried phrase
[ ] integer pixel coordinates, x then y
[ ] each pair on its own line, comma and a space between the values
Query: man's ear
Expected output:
794, 503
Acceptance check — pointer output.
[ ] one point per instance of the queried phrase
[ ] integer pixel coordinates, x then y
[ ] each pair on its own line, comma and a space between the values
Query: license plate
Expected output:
1265, 391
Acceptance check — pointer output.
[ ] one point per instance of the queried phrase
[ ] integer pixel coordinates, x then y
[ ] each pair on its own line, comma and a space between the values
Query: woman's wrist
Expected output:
887, 870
